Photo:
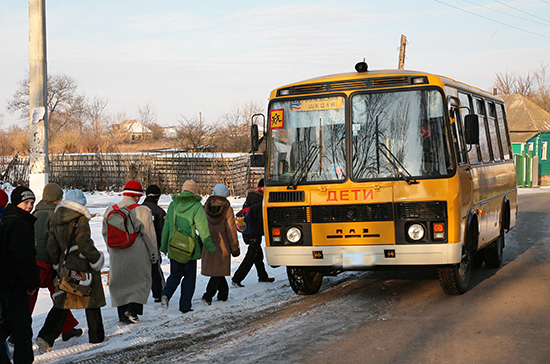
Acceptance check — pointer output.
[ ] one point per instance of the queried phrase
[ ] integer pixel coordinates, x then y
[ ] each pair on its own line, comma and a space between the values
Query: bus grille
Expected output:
287, 196
287, 215
421, 210
352, 213
390, 81
348, 85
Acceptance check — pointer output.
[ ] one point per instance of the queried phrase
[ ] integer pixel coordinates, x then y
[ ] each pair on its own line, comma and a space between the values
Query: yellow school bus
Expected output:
375, 169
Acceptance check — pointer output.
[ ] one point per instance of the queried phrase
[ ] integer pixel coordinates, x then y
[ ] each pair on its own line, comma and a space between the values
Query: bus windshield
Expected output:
398, 134
307, 141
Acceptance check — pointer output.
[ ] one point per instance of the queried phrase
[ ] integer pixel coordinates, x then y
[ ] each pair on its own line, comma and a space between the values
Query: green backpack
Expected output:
181, 246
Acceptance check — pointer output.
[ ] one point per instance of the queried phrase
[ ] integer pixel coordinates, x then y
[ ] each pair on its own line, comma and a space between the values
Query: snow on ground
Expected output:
156, 324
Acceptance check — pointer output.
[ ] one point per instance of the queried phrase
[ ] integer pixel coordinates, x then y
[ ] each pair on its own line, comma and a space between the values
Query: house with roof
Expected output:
133, 130
529, 127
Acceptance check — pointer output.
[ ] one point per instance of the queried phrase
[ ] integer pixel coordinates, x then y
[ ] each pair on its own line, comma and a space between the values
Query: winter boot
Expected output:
43, 346
164, 302
71, 334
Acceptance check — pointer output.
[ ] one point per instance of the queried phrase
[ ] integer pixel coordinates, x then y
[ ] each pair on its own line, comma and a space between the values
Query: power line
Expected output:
521, 11
502, 12
494, 21
546, 2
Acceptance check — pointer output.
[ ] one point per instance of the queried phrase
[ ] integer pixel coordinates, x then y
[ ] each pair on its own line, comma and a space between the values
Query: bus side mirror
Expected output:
471, 132
257, 160
254, 138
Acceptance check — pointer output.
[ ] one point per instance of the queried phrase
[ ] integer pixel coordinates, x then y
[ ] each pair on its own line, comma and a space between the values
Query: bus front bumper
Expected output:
364, 256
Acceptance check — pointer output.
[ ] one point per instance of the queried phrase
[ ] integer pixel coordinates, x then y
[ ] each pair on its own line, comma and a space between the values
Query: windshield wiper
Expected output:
304, 168
394, 161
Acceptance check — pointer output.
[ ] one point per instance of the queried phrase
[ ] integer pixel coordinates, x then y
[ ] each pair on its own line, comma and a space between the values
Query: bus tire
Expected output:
478, 259
304, 280
493, 253
454, 279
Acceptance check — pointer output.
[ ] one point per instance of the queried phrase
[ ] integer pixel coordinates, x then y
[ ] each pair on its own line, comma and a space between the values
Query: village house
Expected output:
133, 130
529, 127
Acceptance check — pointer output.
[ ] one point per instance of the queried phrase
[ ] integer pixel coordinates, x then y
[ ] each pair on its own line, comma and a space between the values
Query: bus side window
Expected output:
493, 131
483, 139
503, 130
473, 153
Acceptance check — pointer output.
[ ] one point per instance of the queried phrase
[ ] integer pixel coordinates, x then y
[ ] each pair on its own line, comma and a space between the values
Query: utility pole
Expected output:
38, 153
402, 52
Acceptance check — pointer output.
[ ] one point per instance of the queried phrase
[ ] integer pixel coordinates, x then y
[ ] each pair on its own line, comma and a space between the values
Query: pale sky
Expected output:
186, 57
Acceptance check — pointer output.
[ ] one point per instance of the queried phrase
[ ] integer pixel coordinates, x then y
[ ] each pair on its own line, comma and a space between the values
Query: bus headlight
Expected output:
294, 235
416, 232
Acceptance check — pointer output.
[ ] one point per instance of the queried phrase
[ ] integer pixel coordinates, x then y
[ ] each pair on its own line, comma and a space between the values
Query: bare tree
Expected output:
99, 120
66, 107
158, 131
232, 132
194, 132
535, 85
510, 83
542, 81
147, 114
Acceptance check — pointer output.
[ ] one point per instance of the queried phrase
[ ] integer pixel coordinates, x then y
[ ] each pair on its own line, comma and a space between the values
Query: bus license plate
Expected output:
357, 260
317, 254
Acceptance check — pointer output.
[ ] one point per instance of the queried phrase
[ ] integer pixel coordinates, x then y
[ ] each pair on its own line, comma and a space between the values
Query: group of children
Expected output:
57, 235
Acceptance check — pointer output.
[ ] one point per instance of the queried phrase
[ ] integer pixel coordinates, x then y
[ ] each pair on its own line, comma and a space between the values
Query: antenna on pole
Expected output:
402, 52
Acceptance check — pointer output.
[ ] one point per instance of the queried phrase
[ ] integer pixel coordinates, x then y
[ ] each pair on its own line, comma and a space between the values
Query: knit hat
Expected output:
153, 191
221, 190
133, 188
76, 196
21, 194
190, 186
3, 198
52, 192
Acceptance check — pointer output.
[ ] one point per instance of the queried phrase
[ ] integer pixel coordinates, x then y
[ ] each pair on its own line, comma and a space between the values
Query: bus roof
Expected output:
380, 74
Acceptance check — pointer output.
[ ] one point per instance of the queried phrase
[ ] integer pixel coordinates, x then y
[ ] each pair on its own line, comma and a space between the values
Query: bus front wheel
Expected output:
454, 279
304, 280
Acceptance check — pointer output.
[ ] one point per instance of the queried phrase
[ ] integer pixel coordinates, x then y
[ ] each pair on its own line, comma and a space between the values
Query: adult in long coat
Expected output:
72, 215
130, 268
44, 211
217, 265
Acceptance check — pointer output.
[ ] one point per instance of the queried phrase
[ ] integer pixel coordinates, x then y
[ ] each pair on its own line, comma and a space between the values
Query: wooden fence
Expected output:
167, 170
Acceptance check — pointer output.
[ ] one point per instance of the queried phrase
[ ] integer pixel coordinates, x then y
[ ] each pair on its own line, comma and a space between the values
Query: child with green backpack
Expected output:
185, 217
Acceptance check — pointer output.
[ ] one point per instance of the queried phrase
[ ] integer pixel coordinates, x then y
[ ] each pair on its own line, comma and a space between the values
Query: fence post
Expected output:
520, 173
528, 169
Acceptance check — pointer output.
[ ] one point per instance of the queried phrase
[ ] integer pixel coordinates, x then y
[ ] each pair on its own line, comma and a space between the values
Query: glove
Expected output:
236, 253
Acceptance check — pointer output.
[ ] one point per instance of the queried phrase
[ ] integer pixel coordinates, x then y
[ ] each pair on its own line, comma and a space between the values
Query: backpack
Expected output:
181, 246
244, 221
120, 228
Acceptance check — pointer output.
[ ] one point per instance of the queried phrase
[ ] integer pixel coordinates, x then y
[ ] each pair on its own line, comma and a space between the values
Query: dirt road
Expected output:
404, 317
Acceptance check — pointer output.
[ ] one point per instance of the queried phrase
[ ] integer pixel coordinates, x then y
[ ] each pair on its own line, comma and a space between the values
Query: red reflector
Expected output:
276, 232
438, 228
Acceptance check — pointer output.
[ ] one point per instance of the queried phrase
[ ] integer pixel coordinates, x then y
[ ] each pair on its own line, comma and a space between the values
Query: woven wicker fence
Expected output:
169, 171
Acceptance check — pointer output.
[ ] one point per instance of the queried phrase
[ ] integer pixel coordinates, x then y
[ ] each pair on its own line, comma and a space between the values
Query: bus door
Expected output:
464, 171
